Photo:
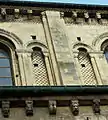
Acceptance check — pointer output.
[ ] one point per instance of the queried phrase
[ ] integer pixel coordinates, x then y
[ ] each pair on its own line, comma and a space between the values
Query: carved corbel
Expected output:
75, 107
52, 107
29, 16
74, 16
16, 13
61, 14
86, 16
98, 16
96, 106
5, 108
3, 13
29, 107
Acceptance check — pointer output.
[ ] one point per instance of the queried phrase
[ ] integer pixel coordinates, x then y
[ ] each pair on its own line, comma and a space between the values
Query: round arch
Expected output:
98, 41
10, 39
76, 46
33, 44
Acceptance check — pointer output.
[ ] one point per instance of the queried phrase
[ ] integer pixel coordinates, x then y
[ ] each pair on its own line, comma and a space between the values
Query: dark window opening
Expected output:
83, 65
35, 65
33, 37
79, 38
106, 53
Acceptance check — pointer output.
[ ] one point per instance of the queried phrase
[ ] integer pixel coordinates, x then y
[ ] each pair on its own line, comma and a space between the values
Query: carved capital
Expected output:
75, 107
96, 106
29, 107
52, 107
5, 108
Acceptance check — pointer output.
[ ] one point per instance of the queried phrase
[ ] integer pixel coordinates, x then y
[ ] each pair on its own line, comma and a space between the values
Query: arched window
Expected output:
104, 48
87, 71
5, 66
39, 68
106, 53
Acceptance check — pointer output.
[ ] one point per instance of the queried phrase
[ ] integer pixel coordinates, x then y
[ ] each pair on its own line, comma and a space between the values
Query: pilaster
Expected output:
96, 70
51, 49
22, 70
50, 77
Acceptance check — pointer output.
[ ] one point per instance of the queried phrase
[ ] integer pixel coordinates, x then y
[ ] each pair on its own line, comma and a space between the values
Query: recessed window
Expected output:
39, 68
5, 69
79, 38
35, 65
106, 53
83, 65
33, 37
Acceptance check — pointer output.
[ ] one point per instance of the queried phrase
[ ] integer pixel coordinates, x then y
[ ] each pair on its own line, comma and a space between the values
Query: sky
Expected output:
99, 2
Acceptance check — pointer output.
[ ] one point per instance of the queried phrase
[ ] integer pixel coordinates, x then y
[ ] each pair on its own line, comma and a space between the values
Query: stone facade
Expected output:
56, 47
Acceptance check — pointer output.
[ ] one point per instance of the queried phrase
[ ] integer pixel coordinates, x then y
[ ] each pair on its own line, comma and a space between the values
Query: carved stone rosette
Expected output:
75, 107
5, 108
29, 107
96, 106
52, 107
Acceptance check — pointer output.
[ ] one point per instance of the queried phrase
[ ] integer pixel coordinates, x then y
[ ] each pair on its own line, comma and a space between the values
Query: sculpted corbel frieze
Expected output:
29, 107
3, 13
96, 106
52, 107
75, 107
5, 108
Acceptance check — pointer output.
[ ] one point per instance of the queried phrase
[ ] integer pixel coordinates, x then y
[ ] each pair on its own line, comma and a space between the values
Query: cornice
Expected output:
51, 5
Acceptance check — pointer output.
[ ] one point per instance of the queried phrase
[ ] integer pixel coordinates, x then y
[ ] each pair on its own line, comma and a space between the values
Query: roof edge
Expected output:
50, 4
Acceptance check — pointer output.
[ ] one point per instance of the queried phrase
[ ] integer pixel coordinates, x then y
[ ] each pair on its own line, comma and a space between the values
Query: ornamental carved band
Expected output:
29, 107
3, 13
52, 107
5, 108
96, 106
75, 107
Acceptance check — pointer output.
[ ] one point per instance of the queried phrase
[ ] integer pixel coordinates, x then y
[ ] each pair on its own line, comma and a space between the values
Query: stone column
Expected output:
51, 49
78, 69
96, 70
16, 73
22, 70
28, 68
48, 69
102, 66
30, 78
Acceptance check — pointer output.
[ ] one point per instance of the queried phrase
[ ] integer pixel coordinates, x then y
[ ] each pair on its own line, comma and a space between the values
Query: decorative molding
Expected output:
29, 107
96, 106
52, 107
82, 45
16, 13
74, 16
12, 38
74, 107
61, 14
5, 108
32, 44
86, 15
3, 13
99, 40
